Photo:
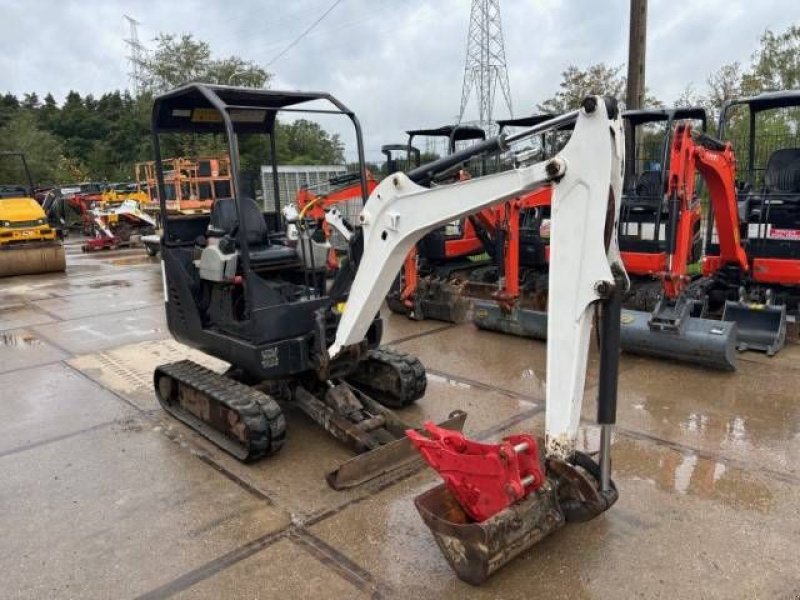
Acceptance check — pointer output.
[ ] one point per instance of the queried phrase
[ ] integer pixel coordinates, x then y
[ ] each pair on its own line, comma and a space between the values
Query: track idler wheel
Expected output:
395, 379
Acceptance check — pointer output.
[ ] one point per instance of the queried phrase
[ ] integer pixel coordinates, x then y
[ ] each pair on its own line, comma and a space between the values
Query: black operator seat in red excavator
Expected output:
264, 253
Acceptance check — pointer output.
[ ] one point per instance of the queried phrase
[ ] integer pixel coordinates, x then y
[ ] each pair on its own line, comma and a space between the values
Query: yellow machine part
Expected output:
31, 258
27, 243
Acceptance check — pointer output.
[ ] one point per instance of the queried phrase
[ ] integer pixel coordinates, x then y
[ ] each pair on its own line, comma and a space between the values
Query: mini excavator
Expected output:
762, 298
751, 265
677, 327
236, 288
431, 281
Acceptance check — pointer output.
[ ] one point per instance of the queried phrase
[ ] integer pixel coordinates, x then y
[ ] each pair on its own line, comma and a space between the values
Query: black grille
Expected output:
23, 224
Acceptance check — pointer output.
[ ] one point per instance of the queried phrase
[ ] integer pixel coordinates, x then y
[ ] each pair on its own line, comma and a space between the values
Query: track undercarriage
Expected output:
245, 417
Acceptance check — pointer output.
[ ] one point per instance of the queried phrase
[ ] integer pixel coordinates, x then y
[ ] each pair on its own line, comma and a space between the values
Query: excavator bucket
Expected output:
760, 327
524, 322
702, 342
29, 259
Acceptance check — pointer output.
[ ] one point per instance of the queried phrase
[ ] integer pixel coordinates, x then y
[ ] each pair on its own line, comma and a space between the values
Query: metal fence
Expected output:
293, 177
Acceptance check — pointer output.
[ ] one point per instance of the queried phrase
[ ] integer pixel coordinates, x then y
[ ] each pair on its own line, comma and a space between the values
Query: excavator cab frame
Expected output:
768, 194
29, 191
648, 221
239, 287
413, 157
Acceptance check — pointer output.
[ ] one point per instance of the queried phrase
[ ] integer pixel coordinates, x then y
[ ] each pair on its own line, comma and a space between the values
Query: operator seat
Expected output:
783, 171
781, 193
648, 190
263, 252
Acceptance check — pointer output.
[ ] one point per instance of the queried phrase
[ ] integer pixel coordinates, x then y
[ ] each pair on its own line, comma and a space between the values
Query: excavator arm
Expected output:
587, 182
500, 499
715, 161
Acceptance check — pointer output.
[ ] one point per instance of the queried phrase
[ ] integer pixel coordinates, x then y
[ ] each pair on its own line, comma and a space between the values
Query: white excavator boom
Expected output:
587, 178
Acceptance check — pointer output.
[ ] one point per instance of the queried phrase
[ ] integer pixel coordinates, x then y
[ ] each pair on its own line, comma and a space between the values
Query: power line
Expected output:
306, 32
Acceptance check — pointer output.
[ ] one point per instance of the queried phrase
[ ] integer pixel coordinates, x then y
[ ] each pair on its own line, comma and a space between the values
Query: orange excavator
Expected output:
678, 327
761, 299
430, 284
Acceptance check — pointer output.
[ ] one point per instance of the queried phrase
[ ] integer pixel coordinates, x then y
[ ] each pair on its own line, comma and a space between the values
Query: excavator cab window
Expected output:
765, 132
645, 215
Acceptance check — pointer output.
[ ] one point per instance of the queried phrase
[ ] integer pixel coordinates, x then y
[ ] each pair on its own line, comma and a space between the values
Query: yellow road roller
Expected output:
28, 244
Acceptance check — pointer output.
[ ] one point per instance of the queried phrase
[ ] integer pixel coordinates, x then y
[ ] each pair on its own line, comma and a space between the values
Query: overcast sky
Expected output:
397, 63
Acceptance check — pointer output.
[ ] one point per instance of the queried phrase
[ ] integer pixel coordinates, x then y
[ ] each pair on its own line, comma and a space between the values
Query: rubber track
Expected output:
407, 368
261, 413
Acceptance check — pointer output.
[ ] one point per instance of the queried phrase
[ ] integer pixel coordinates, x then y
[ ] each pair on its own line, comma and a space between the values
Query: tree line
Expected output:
101, 138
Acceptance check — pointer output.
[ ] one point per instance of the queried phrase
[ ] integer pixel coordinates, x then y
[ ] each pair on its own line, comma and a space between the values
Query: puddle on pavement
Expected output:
689, 474
113, 283
19, 340
452, 382
133, 260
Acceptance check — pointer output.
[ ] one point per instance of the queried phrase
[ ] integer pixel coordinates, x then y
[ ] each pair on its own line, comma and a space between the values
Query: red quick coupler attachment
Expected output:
484, 478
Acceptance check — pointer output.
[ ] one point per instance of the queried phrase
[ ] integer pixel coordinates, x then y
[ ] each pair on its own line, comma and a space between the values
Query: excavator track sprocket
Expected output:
239, 419
393, 378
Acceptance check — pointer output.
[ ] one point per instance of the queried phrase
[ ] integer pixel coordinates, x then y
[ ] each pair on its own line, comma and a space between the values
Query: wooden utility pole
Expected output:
637, 45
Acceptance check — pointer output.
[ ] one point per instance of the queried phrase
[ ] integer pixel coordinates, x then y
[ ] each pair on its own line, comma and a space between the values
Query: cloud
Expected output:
397, 63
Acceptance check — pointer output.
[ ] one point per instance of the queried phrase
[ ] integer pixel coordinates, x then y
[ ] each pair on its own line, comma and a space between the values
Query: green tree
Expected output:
578, 83
9, 106
304, 142
43, 151
178, 60
776, 63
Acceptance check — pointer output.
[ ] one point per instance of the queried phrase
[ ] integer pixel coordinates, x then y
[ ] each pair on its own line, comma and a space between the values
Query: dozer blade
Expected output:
759, 327
29, 259
524, 322
395, 457
703, 342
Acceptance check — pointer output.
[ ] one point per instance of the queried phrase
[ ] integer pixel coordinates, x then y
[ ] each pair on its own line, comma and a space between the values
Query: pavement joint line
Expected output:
58, 438
153, 417
26, 367
50, 341
72, 277
707, 455
510, 422
485, 386
340, 563
215, 566
248, 487
106, 314
420, 334
43, 310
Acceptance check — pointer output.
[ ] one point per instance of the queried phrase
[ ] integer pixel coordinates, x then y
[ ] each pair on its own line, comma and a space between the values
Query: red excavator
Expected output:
515, 301
751, 268
764, 296
429, 286
678, 327
658, 239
